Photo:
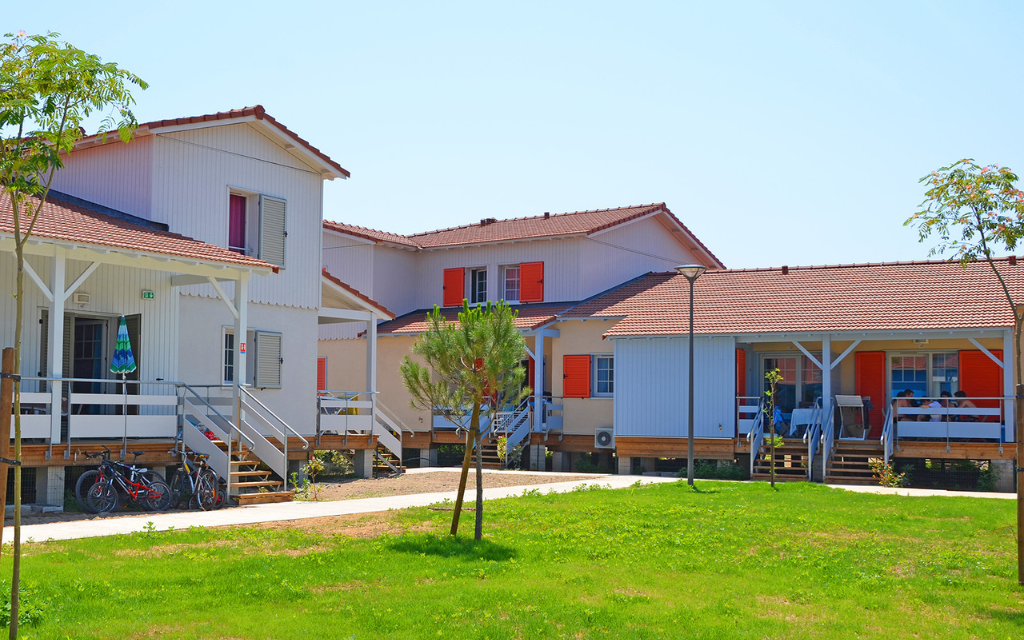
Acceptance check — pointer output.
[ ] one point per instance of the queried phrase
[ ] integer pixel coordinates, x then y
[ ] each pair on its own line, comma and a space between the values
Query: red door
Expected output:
869, 381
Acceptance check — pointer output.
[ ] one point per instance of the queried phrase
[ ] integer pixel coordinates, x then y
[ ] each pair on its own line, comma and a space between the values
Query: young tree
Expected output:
473, 369
773, 377
47, 90
975, 210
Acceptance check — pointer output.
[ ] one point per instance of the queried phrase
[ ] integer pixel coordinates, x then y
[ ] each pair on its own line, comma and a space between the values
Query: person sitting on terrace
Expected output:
934, 405
902, 402
963, 403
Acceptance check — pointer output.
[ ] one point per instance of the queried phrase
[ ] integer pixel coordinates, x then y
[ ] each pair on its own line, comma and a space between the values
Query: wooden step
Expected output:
239, 474
238, 462
258, 483
267, 497
779, 477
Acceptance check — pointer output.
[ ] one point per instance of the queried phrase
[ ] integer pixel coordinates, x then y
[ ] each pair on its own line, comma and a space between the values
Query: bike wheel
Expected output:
159, 497
206, 493
178, 485
102, 497
85, 482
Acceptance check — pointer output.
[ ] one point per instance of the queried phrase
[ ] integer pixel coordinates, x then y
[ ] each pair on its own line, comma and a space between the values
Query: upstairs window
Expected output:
257, 226
238, 224
510, 282
478, 286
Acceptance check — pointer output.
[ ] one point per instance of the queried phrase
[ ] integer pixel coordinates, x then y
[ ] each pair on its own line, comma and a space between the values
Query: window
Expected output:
604, 376
478, 285
510, 280
800, 385
926, 374
257, 226
229, 357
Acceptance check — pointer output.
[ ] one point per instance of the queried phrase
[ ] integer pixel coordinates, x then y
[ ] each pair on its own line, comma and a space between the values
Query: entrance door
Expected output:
785, 392
89, 360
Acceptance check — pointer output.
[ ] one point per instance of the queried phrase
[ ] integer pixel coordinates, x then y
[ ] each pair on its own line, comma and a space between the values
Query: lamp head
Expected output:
691, 271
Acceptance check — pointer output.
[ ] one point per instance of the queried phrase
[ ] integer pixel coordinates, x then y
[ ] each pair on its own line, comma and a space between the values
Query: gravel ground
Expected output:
407, 484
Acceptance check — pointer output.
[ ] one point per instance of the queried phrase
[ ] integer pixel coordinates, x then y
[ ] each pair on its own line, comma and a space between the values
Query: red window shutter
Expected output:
741, 372
321, 374
531, 282
981, 378
529, 373
454, 287
869, 380
576, 376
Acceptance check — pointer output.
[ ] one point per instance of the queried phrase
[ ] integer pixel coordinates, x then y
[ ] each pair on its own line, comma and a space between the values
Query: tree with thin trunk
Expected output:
974, 211
472, 370
48, 89
773, 377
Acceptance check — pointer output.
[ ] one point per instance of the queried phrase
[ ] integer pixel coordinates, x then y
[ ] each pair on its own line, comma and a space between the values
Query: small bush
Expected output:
887, 475
711, 470
584, 465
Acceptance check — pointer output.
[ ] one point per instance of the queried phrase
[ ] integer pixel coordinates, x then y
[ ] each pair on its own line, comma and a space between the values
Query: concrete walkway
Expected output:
300, 510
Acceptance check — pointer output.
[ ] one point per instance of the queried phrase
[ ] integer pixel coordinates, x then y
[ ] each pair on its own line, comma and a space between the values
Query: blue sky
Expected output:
786, 134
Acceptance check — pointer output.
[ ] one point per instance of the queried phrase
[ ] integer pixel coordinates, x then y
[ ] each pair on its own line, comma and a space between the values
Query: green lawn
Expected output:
729, 560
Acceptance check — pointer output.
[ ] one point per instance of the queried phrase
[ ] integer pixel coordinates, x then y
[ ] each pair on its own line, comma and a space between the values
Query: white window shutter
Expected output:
268, 360
273, 230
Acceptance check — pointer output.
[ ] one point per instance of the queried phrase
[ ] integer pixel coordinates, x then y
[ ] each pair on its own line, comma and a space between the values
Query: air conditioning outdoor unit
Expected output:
604, 438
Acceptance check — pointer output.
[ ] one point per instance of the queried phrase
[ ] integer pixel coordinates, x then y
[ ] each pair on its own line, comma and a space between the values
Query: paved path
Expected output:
300, 510
291, 510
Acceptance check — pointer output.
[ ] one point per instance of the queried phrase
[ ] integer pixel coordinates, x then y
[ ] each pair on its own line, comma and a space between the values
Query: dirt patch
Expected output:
434, 482
351, 526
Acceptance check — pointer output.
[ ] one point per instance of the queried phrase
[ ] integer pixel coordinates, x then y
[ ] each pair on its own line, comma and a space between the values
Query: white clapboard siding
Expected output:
273, 230
651, 387
268, 360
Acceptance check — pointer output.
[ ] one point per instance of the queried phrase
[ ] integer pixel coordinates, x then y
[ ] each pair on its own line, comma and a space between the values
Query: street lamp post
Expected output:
691, 272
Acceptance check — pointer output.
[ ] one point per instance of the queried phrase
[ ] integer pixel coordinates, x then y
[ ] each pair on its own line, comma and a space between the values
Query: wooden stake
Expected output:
6, 400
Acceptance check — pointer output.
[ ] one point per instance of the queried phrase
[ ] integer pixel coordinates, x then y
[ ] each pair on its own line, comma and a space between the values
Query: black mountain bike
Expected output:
195, 483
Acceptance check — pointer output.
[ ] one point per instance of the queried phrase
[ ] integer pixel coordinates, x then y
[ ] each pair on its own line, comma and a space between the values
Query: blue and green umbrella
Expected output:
123, 363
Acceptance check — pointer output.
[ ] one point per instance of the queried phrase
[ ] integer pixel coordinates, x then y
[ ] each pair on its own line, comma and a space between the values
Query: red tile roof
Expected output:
867, 297
365, 298
60, 220
545, 226
369, 234
415, 323
257, 111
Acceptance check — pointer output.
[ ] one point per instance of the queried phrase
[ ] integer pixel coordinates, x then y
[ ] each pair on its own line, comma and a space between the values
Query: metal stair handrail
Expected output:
812, 437
287, 427
398, 425
827, 438
756, 435
888, 431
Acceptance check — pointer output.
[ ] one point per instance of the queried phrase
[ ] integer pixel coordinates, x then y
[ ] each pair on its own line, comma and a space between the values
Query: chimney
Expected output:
486, 221
547, 214
785, 270
1013, 261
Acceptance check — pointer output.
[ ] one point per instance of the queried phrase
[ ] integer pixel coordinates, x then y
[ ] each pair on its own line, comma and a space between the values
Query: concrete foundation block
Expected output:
625, 466
428, 457
558, 461
538, 457
1004, 471
362, 460
50, 486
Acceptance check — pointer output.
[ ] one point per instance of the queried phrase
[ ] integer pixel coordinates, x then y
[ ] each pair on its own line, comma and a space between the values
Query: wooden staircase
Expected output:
384, 461
252, 485
789, 466
848, 463
489, 454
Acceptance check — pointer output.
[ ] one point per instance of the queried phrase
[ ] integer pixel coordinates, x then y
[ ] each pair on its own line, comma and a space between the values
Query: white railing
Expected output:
506, 422
520, 426
828, 435
747, 410
948, 422
256, 412
199, 416
345, 413
887, 435
551, 413
812, 437
756, 434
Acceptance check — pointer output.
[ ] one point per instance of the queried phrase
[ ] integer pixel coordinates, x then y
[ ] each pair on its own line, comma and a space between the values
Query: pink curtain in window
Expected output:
236, 226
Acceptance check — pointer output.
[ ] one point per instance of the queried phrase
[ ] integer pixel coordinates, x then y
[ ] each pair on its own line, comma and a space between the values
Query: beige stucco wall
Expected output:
581, 416
346, 370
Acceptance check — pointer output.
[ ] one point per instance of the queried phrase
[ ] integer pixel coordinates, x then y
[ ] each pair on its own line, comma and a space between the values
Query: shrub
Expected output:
886, 474
711, 470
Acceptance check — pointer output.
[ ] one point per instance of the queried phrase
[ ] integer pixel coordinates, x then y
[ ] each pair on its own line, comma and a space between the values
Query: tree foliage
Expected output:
472, 370
48, 89
973, 211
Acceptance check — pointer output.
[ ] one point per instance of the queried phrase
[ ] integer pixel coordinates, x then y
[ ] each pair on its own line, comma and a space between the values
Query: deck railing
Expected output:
948, 422
828, 434
747, 410
812, 437
887, 436
756, 434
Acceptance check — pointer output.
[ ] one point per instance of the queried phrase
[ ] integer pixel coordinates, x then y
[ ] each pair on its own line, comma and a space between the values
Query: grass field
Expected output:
729, 560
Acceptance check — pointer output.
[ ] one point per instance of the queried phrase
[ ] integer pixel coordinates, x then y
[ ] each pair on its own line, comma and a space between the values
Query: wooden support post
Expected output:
6, 400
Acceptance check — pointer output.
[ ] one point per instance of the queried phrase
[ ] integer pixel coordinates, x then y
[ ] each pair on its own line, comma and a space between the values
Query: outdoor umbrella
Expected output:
123, 363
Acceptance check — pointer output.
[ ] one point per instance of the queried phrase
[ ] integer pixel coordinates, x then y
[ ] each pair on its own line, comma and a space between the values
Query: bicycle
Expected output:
145, 488
199, 482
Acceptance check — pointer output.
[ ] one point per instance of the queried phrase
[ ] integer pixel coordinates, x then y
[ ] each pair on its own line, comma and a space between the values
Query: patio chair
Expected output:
853, 423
